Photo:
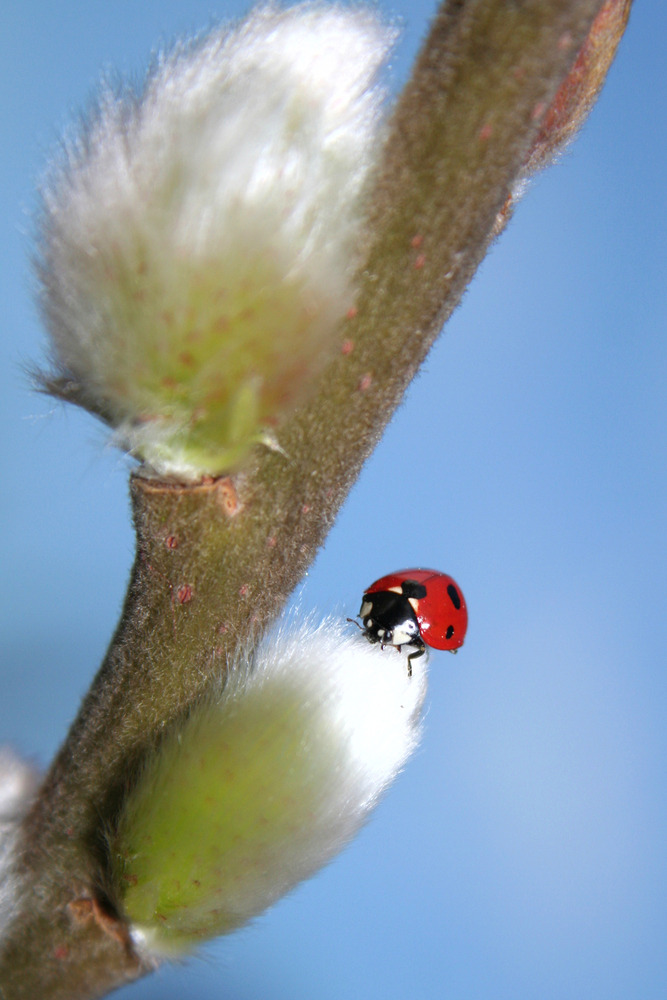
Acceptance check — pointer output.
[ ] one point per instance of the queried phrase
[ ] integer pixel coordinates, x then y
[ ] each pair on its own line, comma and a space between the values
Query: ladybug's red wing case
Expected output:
442, 614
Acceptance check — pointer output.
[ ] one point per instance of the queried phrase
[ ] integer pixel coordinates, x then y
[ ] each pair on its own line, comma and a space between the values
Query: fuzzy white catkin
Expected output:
295, 752
18, 783
221, 207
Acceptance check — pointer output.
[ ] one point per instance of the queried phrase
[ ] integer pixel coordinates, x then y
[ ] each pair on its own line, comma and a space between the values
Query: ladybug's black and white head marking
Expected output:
389, 617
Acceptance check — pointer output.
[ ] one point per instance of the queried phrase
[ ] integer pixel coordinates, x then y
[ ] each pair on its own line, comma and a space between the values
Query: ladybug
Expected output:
415, 607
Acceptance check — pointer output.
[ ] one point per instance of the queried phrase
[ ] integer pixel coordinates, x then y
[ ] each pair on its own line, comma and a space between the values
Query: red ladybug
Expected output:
415, 607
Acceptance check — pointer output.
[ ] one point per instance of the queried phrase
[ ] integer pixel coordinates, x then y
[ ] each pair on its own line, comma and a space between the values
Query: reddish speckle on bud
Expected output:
365, 382
271, 541
227, 496
80, 909
416, 241
538, 111
503, 215
243, 591
348, 347
171, 541
84, 909
60, 952
184, 594
565, 41
420, 260
305, 509
485, 132
351, 312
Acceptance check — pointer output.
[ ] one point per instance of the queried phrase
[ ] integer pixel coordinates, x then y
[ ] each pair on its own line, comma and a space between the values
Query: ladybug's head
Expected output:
389, 619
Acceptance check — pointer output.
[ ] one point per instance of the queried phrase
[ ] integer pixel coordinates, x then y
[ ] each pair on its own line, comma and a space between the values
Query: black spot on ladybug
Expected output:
454, 596
450, 632
410, 588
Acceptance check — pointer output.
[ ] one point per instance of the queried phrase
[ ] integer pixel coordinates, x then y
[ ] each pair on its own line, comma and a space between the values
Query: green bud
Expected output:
262, 785
199, 241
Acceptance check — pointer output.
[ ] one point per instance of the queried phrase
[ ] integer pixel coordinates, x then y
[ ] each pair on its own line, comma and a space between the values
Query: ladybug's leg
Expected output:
413, 656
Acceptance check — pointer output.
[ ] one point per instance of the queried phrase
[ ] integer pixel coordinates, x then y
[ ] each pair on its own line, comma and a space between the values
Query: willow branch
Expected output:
216, 562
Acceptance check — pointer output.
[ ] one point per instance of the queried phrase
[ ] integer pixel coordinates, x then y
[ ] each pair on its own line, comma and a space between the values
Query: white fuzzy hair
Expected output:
337, 719
18, 783
251, 144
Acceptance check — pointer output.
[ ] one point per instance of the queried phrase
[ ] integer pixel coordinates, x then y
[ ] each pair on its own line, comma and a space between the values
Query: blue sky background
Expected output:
522, 853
